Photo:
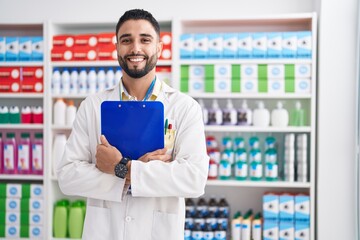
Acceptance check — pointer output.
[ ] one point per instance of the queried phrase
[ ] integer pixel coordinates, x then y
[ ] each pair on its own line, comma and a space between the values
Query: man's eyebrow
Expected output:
146, 35
124, 35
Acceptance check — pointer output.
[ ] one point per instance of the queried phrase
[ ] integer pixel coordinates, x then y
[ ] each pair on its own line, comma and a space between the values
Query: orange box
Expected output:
64, 40
107, 52
32, 79
106, 39
9, 79
61, 54
86, 40
85, 54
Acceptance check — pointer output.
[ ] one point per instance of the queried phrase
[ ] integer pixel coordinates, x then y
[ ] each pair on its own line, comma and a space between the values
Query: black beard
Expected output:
138, 73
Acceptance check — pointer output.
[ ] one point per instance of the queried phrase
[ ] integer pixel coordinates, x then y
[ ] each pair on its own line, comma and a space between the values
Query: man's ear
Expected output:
159, 50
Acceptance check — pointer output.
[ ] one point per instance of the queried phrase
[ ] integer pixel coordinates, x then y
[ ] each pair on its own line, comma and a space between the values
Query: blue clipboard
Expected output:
133, 127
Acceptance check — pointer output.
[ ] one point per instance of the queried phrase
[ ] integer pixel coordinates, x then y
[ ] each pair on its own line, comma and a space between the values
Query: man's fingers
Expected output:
104, 141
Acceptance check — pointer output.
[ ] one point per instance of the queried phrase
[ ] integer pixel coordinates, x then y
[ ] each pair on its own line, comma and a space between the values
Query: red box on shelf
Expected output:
166, 53
107, 52
85, 54
32, 79
86, 40
64, 40
61, 54
106, 39
166, 38
9, 79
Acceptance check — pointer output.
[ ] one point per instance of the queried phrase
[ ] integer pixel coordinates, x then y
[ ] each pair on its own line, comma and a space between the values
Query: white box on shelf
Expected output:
244, 45
259, 44
289, 44
36, 218
12, 218
12, 231
201, 46
304, 44
222, 70
302, 85
303, 70
274, 44
197, 71
12, 204
222, 85
196, 85
36, 205
186, 46
249, 85
230, 45
249, 71
276, 71
276, 86
13, 190
36, 190
36, 232
215, 43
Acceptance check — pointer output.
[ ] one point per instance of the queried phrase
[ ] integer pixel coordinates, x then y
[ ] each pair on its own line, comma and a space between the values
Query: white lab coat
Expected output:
155, 209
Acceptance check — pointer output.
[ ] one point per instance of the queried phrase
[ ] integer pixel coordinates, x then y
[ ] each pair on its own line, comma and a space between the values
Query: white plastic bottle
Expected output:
83, 88
65, 81
74, 81
92, 81
109, 78
70, 113
279, 116
59, 112
56, 81
229, 114
261, 116
215, 114
205, 112
58, 149
118, 75
244, 116
101, 79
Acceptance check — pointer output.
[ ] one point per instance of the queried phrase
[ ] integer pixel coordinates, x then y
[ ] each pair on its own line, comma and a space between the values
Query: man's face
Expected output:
138, 48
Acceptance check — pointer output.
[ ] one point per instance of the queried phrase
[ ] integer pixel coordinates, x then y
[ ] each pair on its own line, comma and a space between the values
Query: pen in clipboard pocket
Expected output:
166, 125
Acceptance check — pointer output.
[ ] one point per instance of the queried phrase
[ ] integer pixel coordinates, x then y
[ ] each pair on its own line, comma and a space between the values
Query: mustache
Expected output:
136, 55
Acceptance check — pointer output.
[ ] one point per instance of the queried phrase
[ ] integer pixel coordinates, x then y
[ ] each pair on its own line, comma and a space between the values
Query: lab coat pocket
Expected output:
97, 224
170, 131
165, 226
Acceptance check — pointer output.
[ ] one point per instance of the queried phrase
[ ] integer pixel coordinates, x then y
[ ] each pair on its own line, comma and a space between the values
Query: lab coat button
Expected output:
128, 219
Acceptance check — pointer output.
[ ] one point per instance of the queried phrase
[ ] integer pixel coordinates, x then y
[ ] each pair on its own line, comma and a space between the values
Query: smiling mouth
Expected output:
135, 59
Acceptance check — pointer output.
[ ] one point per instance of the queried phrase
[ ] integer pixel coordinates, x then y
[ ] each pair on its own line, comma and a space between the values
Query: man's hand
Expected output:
107, 156
159, 154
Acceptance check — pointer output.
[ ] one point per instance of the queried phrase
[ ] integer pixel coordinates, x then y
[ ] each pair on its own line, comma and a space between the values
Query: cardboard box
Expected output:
32, 80
61, 54
249, 85
259, 44
215, 45
222, 71
12, 204
196, 85
107, 52
12, 218
64, 40
197, 71
274, 44
303, 70
276, 71
12, 49
86, 40
302, 208
12, 231
249, 71
37, 48
289, 44
201, 47
302, 86
9, 79
245, 45
166, 39
276, 86
286, 207
304, 44
25, 48
222, 85
85, 53
187, 46
286, 231
230, 45
271, 206
302, 231
271, 230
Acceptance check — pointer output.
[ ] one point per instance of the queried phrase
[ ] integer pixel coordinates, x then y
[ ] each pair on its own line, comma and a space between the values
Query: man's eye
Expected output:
146, 40
125, 40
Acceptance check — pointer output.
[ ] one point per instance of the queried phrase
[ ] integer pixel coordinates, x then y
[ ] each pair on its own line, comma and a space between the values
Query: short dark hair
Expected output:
138, 14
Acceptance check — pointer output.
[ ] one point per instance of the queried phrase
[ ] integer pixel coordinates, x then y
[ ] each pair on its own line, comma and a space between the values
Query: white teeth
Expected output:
136, 59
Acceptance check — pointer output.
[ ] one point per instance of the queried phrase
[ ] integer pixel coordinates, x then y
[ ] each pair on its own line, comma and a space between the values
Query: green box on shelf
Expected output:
235, 71
289, 71
184, 72
289, 85
209, 71
262, 71
209, 85
262, 86
184, 85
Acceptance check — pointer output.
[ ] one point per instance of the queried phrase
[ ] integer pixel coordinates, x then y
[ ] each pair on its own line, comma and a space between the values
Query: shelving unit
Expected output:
243, 195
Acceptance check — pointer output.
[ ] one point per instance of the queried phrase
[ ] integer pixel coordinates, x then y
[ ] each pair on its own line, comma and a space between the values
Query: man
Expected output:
160, 180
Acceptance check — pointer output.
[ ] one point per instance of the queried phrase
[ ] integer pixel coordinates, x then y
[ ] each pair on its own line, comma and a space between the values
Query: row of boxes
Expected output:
21, 79
17, 190
271, 86
21, 48
285, 230
248, 71
22, 231
246, 45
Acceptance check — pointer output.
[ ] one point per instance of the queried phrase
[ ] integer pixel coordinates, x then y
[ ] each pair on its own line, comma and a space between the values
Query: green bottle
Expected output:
297, 117
76, 219
61, 212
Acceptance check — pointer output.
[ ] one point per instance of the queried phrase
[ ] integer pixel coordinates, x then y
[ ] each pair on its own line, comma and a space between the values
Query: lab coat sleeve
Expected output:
77, 173
186, 175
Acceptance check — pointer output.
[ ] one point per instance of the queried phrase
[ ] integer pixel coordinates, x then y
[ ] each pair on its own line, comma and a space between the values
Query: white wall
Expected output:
336, 95
336, 120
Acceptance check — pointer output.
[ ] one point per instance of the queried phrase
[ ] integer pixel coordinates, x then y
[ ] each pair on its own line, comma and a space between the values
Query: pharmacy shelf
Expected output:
245, 61
249, 96
21, 177
223, 128
21, 126
21, 64
272, 184
21, 95
70, 96
98, 63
